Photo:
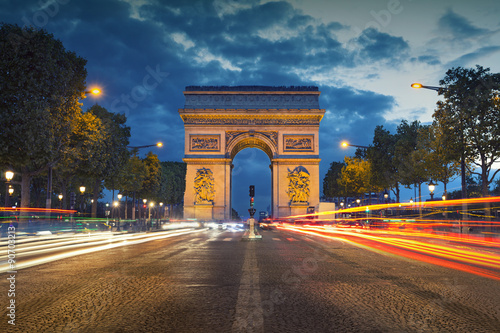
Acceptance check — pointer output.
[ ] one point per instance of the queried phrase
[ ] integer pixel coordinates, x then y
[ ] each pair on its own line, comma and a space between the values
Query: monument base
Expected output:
251, 234
204, 212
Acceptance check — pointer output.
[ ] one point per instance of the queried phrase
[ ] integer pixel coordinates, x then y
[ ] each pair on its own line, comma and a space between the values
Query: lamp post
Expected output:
48, 201
159, 145
462, 158
82, 191
151, 206
432, 187
346, 144
60, 196
8, 176
161, 210
119, 196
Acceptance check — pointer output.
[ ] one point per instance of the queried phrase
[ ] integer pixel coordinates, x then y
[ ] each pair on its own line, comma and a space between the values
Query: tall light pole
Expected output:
462, 157
119, 196
82, 191
135, 150
48, 201
8, 176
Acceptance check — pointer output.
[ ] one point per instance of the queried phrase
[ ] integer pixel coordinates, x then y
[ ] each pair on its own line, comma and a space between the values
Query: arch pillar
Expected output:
219, 208
283, 205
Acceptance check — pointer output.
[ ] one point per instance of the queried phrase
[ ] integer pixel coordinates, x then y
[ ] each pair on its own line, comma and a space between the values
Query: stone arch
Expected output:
219, 122
251, 140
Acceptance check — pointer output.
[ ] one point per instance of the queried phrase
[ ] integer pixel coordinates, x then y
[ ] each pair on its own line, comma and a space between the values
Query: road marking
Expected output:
291, 239
276, 239
228, 239
248, 311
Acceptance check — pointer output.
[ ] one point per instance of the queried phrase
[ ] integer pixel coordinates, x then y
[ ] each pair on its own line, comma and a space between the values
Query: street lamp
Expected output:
420, 85
8, 176
159, 145
48, 201
358, 201
346, 144
432, 187
60, 200
462, 160
93, 91
151, 205
82, 191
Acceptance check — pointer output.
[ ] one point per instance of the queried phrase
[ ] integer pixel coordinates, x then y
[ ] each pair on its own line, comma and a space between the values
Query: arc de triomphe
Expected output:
221, 121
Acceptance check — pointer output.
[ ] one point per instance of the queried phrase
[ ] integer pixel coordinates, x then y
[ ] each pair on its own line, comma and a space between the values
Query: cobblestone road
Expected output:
213, 281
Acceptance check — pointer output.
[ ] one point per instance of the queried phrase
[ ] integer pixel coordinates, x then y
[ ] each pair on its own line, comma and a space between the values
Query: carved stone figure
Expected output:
298, 186
204, 186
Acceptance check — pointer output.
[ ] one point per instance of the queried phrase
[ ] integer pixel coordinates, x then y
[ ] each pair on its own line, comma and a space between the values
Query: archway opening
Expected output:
251, 167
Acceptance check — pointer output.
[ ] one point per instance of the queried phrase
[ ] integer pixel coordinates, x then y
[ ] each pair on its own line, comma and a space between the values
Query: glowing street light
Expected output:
159, 145
8, 176
421, 86
432, 187
346, 144
93, 91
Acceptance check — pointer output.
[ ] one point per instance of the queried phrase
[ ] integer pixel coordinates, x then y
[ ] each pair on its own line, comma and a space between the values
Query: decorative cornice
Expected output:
219, 119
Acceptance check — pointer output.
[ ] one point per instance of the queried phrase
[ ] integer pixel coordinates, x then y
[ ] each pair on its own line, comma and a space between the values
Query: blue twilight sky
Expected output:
363, 55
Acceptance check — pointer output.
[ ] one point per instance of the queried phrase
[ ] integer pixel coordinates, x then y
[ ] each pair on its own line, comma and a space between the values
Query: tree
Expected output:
151, 185
470, 117
109, 155
411, 155
40, 86
131, 178
355, 176
331, 187
173, 182
440, 164
383, 159
86, 140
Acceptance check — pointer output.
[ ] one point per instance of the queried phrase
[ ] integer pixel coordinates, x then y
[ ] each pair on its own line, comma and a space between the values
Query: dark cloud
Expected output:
428, 59
379, 46
458, 27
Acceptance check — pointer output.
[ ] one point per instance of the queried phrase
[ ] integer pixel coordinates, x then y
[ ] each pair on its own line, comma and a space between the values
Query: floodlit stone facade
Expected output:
219, 122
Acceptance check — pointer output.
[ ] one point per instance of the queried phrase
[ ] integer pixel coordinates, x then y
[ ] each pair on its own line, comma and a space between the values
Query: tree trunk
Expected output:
95, 195
25, 188
125, 214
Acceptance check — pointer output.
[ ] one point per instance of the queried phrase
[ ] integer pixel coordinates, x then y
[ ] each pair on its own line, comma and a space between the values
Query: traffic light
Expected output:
252, 191
251, 202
